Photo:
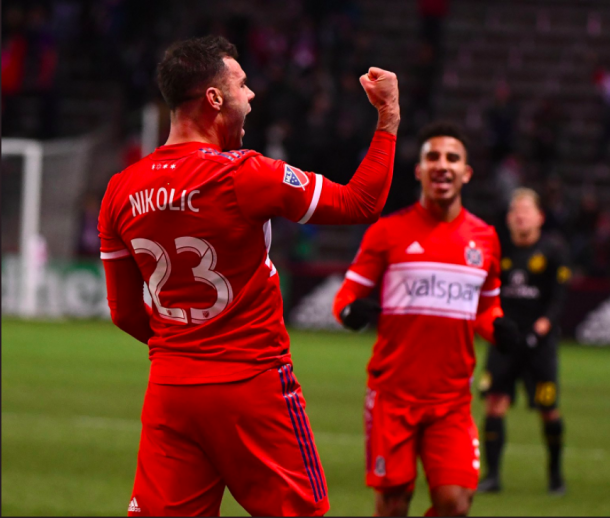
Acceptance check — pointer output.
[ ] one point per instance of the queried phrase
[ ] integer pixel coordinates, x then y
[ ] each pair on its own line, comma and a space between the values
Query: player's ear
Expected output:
214, 98
467, 174
418, 172
542, 218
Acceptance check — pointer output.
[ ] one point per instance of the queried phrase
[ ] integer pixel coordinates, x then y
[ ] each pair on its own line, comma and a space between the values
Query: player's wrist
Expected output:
389, 119
385, 135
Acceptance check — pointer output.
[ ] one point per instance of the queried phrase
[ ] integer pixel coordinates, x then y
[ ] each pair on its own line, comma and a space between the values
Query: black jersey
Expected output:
534, 282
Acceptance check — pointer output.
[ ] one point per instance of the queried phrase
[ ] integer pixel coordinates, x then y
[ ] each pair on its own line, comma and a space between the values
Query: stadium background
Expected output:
529, 80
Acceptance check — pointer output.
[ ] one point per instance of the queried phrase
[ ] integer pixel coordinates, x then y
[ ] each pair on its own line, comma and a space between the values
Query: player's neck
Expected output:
442, 211
187, 128
523, 239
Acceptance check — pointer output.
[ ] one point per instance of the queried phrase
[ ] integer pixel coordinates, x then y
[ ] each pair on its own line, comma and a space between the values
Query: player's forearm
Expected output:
555, 307
389, 119
363, 198
348, 293
374, 176
489, 310
342, 299
135, 323
125, 289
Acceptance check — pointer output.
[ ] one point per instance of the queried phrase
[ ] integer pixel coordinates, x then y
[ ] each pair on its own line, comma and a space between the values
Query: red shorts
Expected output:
444, 436
252, 436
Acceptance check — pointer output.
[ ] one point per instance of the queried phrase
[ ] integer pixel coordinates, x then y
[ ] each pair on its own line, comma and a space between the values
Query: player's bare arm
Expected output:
381, 87
362, 200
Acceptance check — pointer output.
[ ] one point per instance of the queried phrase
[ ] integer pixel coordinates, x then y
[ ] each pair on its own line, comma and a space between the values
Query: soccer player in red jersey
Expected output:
438, 266
223, 408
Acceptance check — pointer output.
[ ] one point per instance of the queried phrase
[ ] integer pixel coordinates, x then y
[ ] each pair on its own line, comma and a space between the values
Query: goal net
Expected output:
42, 204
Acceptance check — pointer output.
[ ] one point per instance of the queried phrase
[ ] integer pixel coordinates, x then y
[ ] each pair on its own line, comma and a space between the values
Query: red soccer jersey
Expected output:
196, 221
432, 274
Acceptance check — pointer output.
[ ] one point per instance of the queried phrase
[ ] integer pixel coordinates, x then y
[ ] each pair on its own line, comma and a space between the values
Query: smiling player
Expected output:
223, 407
438, 266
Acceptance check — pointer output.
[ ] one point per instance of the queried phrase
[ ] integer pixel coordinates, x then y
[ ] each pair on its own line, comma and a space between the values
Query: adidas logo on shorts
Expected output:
133, 506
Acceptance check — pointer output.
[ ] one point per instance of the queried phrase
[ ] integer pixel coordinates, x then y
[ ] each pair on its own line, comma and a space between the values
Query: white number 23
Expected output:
203, 272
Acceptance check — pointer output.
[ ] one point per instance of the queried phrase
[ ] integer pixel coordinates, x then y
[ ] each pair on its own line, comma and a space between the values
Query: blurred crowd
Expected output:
303, 59
29, 66
517, 158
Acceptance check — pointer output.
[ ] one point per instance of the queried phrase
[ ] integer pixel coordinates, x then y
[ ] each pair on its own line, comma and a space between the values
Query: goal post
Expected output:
42, 199
32, 153
47, 194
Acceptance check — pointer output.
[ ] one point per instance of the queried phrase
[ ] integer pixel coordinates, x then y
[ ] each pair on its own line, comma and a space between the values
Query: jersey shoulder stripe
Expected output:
118, 254
360, 279
314, 200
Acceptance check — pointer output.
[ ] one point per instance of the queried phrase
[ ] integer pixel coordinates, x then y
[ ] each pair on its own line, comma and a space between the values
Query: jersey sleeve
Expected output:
112, 247
266, 188
124, 288
489, 301
366, 269
363, 198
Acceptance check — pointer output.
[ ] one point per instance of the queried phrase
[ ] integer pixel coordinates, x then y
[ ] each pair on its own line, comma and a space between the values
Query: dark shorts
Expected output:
537, 368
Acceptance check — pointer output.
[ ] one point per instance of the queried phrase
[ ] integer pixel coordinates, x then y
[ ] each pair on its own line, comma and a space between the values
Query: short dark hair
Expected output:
442, 129
188, 67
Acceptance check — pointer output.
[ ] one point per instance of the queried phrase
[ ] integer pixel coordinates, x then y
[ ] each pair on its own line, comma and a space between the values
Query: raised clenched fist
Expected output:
381, 87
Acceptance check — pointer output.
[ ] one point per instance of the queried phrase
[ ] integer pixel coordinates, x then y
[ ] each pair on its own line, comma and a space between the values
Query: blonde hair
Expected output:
526, 192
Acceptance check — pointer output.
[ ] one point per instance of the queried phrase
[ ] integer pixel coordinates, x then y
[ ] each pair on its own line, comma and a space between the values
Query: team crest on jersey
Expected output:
473, 255
380, 466
295, 177
537, 263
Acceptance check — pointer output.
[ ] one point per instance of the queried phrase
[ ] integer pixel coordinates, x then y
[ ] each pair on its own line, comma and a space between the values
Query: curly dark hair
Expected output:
189, 67
442, 129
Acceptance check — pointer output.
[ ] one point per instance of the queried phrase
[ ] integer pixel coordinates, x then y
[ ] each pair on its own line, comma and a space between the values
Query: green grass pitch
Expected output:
72, 393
